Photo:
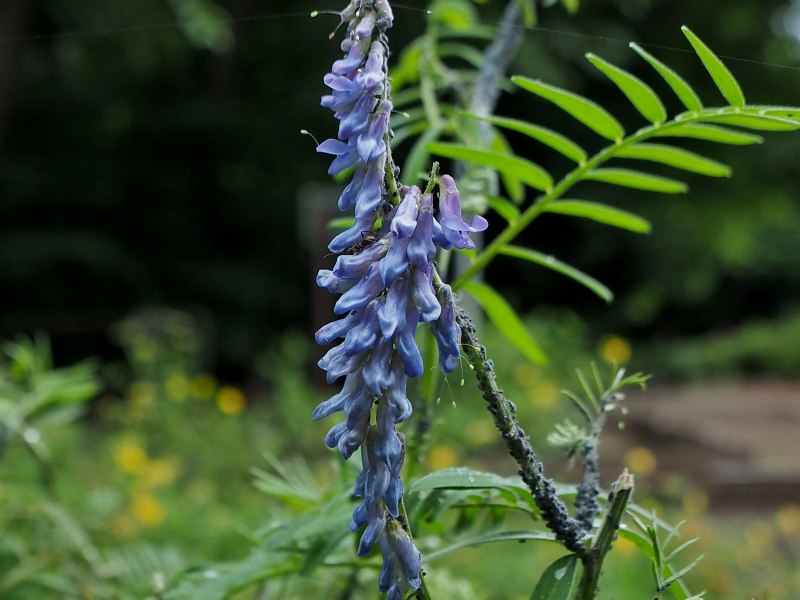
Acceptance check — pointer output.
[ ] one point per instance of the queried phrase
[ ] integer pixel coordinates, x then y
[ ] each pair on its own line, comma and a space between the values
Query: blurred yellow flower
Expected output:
203, 387
161, 471
481, 431
788, 518
131, 457
640, 460
123, 526
615, 350
144, 350
147, 510
142, 394
544, 394
441, 457
525, 373
695, 501
230, 400
177, 387
758, 536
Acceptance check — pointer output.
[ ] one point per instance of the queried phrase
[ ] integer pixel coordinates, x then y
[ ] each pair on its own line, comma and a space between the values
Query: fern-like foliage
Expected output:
731, 123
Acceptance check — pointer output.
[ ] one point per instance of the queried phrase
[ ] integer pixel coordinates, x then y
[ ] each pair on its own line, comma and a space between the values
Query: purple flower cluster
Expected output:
386, 291
386, 288
359, 99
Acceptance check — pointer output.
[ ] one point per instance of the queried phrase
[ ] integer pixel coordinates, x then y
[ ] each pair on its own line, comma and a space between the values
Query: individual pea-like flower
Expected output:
401, 562
454, 230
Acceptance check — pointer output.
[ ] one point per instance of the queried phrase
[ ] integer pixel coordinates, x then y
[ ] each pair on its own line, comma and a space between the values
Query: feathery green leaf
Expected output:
584, 110
638, 92
675, 157
637, 180
725, 81
682, 89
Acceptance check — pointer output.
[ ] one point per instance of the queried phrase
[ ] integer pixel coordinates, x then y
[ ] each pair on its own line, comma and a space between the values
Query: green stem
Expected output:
618, 500
540, 205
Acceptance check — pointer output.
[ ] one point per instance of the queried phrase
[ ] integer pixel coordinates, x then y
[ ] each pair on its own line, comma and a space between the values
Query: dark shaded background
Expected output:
150, 155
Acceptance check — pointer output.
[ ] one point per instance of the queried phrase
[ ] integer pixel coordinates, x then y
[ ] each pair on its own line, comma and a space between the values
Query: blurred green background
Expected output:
153, 216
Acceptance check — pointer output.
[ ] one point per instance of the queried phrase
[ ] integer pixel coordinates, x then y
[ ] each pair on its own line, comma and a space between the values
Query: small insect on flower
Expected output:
367, 238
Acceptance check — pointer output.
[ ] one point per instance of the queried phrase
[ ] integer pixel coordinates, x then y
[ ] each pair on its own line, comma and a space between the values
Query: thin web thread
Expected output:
308, 14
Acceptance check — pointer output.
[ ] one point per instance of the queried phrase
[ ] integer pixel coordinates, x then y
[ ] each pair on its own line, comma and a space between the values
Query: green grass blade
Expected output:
637, 180
601, 213
556, 141
506, 320
725, 81
560, 267
639, 93
526, 171
676, 157
682, 89
711, 133
584, 110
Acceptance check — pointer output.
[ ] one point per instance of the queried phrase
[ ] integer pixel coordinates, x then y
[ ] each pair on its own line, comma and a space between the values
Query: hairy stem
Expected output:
553, 510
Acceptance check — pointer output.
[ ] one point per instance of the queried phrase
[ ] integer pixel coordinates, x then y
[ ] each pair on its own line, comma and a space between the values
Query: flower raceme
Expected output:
386, 288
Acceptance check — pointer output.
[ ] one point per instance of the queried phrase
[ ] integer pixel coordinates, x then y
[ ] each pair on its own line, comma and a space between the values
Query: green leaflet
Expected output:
639, 93
341, 223
560, 267
637, 180
554, 140
465, 478
528, 8
465, 52
682, 89
526, 171
601, 213
479, 540
584, 110
559, 580
516, 191
506, 320
417, 160
711, 133
758, 122
504, 208
725, 81
676, 157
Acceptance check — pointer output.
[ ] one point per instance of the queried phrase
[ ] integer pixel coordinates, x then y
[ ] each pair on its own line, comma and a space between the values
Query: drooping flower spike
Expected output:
384, 276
